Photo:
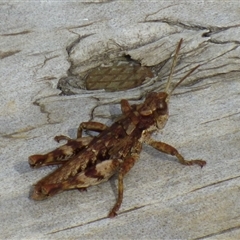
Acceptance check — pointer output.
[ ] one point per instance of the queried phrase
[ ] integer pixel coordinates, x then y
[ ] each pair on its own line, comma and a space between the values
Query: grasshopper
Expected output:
88, 161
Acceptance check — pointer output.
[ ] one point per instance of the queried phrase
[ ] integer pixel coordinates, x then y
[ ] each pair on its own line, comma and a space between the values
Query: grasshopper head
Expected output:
156, 105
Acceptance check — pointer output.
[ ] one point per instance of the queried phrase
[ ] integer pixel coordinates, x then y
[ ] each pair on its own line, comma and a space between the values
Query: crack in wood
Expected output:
221, 118
76, 41
215, 183
211, 29
17, 33
96, 220
218, 233
76, 226
43, 110
14, 135
8, 53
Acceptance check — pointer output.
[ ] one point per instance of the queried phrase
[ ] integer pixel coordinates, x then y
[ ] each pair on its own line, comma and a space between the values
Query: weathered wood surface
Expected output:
163, 199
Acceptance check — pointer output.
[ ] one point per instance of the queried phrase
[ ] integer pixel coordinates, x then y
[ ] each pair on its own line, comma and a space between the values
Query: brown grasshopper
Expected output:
88, 161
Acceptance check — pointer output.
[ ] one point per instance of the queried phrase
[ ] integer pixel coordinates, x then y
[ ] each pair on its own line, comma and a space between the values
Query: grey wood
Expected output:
162, 199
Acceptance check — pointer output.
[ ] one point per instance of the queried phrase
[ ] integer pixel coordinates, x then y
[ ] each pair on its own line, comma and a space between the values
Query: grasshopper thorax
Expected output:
155, 102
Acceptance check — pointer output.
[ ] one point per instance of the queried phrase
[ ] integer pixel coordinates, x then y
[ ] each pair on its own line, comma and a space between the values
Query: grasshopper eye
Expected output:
162, 107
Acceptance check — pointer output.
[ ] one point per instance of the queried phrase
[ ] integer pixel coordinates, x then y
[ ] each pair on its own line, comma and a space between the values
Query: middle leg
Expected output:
94, 126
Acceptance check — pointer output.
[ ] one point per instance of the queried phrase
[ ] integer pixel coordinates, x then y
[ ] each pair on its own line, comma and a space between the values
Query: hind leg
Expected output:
94, 175
60, 155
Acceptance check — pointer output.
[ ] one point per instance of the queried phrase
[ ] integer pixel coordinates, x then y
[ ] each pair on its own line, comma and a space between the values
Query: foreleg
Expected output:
166, 148
125, 107
94, 175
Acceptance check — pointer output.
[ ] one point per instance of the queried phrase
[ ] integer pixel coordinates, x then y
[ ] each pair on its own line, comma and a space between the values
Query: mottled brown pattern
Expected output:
115, 150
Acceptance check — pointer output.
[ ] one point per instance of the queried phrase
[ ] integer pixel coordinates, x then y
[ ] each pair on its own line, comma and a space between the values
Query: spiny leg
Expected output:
124, 169
93, 126
60, 155
166, 148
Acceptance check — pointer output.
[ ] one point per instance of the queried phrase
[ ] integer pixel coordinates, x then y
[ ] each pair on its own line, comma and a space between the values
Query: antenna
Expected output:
173, 65
191, 71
